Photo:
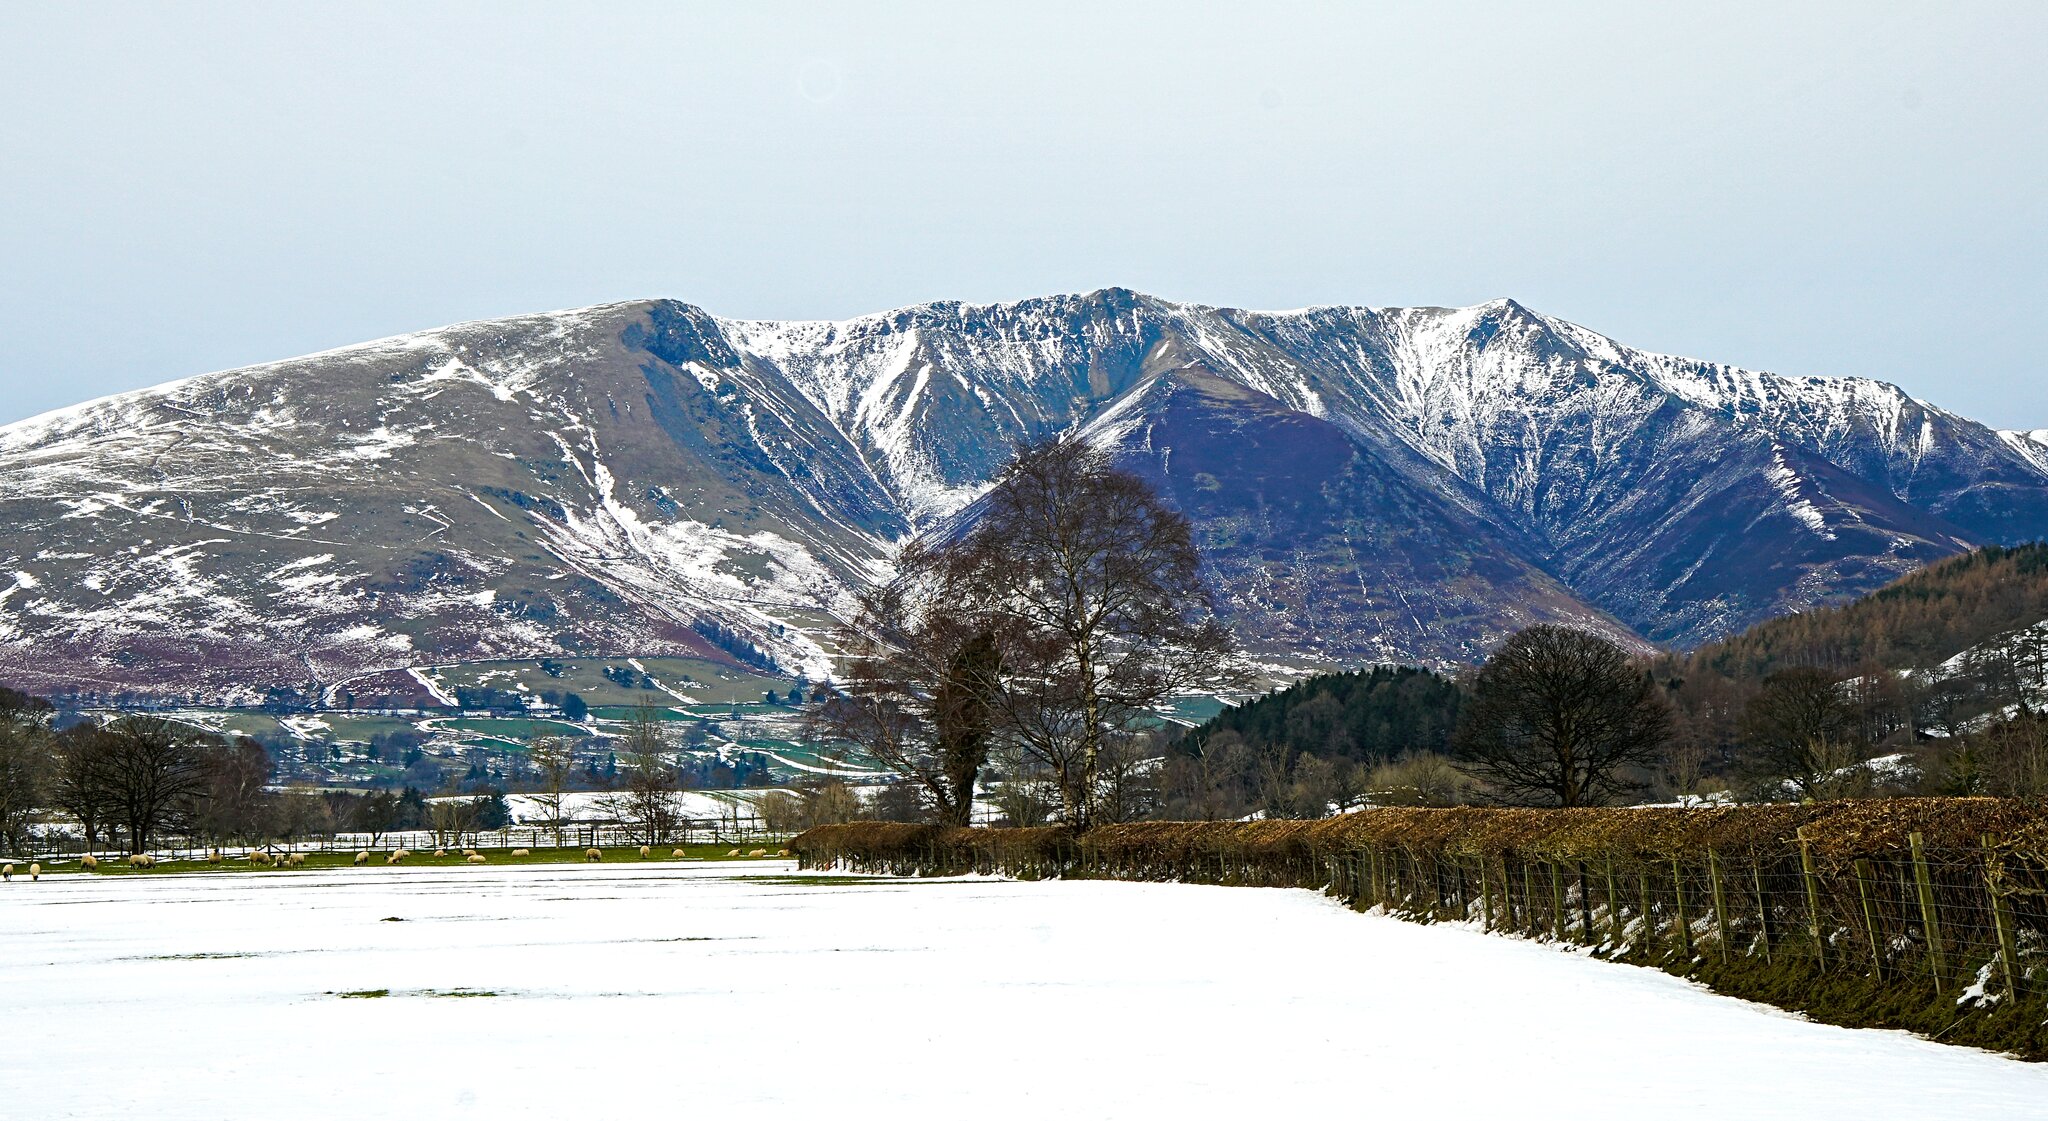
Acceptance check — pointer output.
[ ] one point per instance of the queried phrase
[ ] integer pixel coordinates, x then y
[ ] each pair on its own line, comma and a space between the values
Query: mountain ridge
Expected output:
643, 474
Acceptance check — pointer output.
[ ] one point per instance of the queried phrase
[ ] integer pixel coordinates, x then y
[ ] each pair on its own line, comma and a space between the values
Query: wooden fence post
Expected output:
1820, 942
1763, 907
1863, 874
1529, 898
1684, 926
2001, 918
1585, 905
1613, 903
1485, 897
1930, 919
1557, 923
1643, 900
1720, 902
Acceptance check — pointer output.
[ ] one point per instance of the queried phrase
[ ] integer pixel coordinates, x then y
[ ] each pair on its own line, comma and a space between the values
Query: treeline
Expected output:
140, 781
1320, 745
1913, 623
1942, 677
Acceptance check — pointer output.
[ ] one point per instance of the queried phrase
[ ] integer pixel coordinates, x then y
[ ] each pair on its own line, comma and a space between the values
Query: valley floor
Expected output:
719, 991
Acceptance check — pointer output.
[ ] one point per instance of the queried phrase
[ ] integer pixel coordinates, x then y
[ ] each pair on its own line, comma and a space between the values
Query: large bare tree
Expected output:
1560, 717
1091, 588
919, 690
154, 772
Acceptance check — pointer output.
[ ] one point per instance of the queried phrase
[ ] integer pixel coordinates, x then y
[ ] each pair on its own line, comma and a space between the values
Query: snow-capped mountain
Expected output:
1367, 484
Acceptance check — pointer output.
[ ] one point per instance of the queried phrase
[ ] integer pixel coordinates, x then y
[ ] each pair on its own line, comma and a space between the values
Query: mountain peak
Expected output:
1381, 484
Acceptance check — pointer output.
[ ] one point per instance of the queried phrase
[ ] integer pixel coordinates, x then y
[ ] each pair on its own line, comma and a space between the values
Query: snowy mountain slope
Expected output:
506, 489
1369, 484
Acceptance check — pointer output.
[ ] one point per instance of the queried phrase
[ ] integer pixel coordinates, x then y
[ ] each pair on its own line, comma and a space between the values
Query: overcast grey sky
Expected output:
1809, 188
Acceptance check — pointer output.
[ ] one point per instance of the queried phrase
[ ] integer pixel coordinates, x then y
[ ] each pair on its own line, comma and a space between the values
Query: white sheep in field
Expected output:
782, 852
35, 872
440, 852
734, 852
468, 852
646, 851
475, 858
593, 855
89, 862
258, 857
6, 872
758, 852
362, 858
213, 857
138, 861
678, 854
298, 859
522, 852
401, 854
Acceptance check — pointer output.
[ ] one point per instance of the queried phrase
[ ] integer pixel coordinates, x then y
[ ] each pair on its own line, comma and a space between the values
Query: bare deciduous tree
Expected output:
79, 780
1421, 778
154, 771
920, 684
236, 805
24, 765
553, 762
1091, 587
1560, 717
1802, 730
646, 798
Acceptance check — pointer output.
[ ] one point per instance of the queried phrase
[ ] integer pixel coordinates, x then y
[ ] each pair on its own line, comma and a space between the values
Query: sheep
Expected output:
440, 852
7, 872
476, 858
297, 859
89, 862
400, 854
213, 857
522, 852
593, 855
758, 852
734, 852
678, 854
258, 857
468, 852
138, 861
35, 872
362, 858
646, 851
782, 852
392, 859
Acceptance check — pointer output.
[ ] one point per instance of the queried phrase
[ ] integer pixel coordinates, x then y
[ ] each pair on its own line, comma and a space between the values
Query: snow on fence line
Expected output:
748, 832
1923, 913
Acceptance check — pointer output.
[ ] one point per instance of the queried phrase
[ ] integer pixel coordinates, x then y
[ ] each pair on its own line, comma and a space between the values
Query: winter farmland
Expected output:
749, 991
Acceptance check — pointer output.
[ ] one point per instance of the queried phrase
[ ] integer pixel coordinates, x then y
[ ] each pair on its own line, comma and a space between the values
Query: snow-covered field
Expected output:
718, 993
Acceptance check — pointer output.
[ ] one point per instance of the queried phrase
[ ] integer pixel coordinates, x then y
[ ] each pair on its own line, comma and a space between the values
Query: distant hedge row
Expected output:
1923, 913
